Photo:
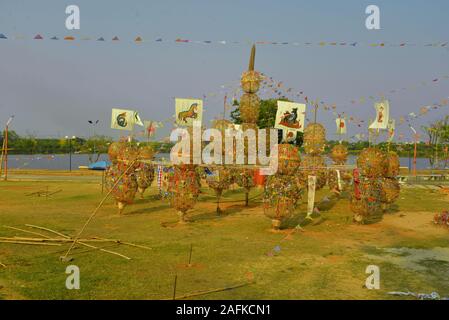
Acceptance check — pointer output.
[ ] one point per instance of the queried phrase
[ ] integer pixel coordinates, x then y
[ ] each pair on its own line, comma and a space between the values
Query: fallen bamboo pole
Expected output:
49, 230
55, 240
97, 208
125, 243
104, 250
27, 231
200, 293
98, 238
26, 242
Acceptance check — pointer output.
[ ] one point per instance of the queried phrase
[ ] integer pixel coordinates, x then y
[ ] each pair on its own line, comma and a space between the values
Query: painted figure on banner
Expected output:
188, 110
290, 116
289, 136
382, 115
341, 125
122, 119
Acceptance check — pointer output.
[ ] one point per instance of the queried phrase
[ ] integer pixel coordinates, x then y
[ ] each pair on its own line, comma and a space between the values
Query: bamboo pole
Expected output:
118, 241
97, 208
6, 153
49, 230
27, 231
103, 250
55, 240
1, 158
31, 243
200, 293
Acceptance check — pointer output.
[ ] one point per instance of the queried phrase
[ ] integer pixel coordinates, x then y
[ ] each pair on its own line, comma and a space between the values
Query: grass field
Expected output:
325, 261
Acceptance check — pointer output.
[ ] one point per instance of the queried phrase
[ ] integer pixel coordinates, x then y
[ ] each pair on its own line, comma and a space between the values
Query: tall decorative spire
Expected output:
252, 58
249, 102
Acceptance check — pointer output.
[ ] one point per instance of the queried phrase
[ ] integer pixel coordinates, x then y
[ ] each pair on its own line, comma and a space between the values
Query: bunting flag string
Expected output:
281, 91
140, 40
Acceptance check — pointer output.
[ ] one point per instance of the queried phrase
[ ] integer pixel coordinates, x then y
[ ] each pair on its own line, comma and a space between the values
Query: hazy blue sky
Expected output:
54, 87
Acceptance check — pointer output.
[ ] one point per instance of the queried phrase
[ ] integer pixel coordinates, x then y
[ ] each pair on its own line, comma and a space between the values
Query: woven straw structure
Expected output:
144, 176
312, 165
146, 153
244, 178
184, 190
390, 190
288, 159
339, 154
249, 108
250, 81
372, 163
114, 150
367, 208
314, 138
280, 198
125, 190
393, 164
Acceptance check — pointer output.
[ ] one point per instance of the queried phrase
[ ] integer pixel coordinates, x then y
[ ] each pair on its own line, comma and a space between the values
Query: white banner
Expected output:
382, 115
311, 195
188, 110
122, 119
290, 116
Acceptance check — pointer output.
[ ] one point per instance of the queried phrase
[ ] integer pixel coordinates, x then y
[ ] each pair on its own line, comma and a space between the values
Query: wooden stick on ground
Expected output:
54, 240
2, 265
96, 209
26, 242
200, 293
103, 250
125, 243
94, 239
49, 230
26, 231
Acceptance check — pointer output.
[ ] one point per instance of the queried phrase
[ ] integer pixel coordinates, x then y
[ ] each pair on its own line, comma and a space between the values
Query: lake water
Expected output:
61, 161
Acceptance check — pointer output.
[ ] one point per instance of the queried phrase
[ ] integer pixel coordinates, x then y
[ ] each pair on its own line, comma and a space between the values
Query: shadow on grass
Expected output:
212, 215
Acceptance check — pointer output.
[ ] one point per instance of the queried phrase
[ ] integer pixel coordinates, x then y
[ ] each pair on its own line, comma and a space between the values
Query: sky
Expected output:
54, 87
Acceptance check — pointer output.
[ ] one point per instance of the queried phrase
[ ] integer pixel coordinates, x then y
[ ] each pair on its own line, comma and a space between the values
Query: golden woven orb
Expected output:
314, 138
250, 102
288, 159
251, 79
339, 154
372, 163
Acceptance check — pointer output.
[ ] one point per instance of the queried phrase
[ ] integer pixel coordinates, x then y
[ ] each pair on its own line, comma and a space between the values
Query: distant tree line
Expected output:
93, 146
